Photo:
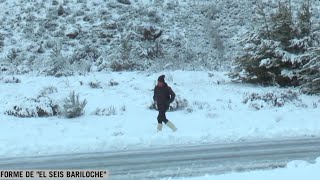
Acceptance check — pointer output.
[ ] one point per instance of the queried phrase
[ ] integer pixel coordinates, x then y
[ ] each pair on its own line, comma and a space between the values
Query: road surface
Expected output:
181, 160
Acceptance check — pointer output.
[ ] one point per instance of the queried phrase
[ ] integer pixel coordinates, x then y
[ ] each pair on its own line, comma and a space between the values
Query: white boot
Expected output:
171, 126
159, 127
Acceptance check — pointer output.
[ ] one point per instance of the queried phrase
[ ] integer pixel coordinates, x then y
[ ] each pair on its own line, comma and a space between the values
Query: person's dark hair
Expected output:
161, 78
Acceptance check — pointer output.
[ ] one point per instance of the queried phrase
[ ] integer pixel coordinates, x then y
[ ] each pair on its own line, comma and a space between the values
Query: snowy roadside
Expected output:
295, 170
217, 111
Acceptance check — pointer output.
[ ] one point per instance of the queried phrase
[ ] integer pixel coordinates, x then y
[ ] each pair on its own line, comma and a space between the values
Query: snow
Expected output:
197, 35
295, 170
218, 111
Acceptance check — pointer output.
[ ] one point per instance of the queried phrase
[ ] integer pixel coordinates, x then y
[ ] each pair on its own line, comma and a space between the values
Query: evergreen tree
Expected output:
304, 19
274, 53
310, 73
282, 24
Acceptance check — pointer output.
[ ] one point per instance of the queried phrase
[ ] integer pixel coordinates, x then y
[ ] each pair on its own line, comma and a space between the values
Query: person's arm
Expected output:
172, 95
154, 94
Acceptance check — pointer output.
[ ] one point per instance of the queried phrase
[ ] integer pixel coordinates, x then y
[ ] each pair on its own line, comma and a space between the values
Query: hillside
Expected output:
81, 35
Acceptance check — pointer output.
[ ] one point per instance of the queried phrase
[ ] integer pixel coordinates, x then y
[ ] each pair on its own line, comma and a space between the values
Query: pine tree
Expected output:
274, 52
303, 31
304, 19
310, 73
282, 24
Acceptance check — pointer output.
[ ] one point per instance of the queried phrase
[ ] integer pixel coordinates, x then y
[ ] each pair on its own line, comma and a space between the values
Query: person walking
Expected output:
163, 96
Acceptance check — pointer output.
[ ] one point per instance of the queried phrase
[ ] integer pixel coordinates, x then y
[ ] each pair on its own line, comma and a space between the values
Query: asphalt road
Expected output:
179, 160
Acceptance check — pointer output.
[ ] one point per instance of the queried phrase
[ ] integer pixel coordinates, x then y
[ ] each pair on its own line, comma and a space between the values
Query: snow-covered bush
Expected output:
201, 105
57, 65
124, 2
88, 53
42, 106
265, 100
45, 91
73, 107
153, 106
126, 65
111, 110
123, 108
1, 42
12, 55
11, 80
178, 104
95, 85
55, 2
113, 83
5, 68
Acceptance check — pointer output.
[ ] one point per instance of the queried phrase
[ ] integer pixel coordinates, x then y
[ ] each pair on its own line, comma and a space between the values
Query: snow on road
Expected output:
295, 170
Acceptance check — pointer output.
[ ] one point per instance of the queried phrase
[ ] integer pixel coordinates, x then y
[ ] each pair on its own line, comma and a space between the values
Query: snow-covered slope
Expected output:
91, 35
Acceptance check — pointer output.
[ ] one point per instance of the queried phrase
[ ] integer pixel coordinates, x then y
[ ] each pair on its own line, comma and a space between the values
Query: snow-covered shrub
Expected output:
95, 85
154, 16
125, 48
57, 65
12, 55
1, 42
189, 110
259, 101
73, 107
153, 51
125, 65
40, 49
153, 106
178, 104
124, 1
11, 80
48, 90
55, 2
158, 2
150, 33
123, 108
111, 110
60, 11
87, 53
5, 67
113, 83
314, 105
34, 107
211, 115
82, 1
201, 105
149, 47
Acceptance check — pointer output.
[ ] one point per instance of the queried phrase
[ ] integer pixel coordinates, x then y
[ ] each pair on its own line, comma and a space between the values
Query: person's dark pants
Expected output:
162, 108
162, 117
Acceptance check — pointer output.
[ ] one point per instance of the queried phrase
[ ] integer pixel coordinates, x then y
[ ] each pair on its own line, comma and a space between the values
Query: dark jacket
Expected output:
163, 96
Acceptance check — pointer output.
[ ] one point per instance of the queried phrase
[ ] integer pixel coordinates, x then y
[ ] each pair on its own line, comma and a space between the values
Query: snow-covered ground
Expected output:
295, 170
197, 35
217, 111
